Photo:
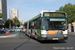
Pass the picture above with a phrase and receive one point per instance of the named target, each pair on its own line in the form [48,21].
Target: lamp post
[10,24]
[16,23]
[13,23]
[9,17]
[62,8]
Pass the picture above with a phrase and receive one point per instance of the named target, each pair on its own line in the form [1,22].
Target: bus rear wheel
[36,36]
[29,35]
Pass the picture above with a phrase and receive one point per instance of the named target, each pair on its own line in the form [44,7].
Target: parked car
[23,30]
[18,29]
[5,30]
[1,31]
[11,30]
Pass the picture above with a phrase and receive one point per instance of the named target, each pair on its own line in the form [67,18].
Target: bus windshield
[54,24]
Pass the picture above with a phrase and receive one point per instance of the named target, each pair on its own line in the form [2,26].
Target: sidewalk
[72,33]
[4,34]
[11,34]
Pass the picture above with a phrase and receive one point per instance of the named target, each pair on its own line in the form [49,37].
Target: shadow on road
[22,44]
[52,41]
[49,41]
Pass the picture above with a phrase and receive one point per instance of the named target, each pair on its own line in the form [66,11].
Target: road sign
[16,31]
[7,32]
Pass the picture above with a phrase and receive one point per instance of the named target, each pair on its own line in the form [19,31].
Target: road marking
[8,36]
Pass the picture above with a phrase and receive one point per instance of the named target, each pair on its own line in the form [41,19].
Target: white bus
[48,26]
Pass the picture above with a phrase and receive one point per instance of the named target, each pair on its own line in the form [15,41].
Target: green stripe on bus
[39,32]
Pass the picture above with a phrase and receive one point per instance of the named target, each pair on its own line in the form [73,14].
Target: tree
[70,11]
[1,15]
[8,22]
[16,22]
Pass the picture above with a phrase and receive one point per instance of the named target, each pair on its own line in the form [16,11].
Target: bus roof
[41,15]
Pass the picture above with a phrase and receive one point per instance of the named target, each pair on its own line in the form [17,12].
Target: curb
[72,33]
[8,36]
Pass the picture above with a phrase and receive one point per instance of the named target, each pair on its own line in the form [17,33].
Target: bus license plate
[55,38]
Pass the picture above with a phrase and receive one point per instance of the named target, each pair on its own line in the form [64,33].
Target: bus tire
[36,37]
[29,35]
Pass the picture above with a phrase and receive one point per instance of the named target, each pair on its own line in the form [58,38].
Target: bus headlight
[65,32]
[43,32]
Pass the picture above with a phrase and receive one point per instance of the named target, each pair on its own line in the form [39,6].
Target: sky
[28,9]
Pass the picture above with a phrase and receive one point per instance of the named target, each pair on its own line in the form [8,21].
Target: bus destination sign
[53,14]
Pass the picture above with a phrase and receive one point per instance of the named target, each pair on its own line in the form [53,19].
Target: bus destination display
[54,14]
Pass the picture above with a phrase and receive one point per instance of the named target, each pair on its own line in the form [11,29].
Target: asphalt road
[22,42]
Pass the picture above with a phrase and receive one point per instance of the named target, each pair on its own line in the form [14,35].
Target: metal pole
[10,24]
[27,27]
[13,23]
[74,28]
[62,8]
[16,23]
[20,24]
[9,17]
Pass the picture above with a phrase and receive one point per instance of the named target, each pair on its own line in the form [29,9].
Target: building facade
[21,21]
[43,11]
[3,10]
[13,13]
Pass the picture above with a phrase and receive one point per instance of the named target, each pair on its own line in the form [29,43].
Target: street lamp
[62,8]
[9,23]
[16,23]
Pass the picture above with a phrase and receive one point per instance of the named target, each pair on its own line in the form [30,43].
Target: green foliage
[57,10]
[1,15]
[70,11]
[39,32]
[8,22]
[16,22]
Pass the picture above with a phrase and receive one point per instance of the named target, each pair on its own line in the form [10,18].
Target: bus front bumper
[55,37]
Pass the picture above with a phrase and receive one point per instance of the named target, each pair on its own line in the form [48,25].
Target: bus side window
[38,24]
[32,25]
